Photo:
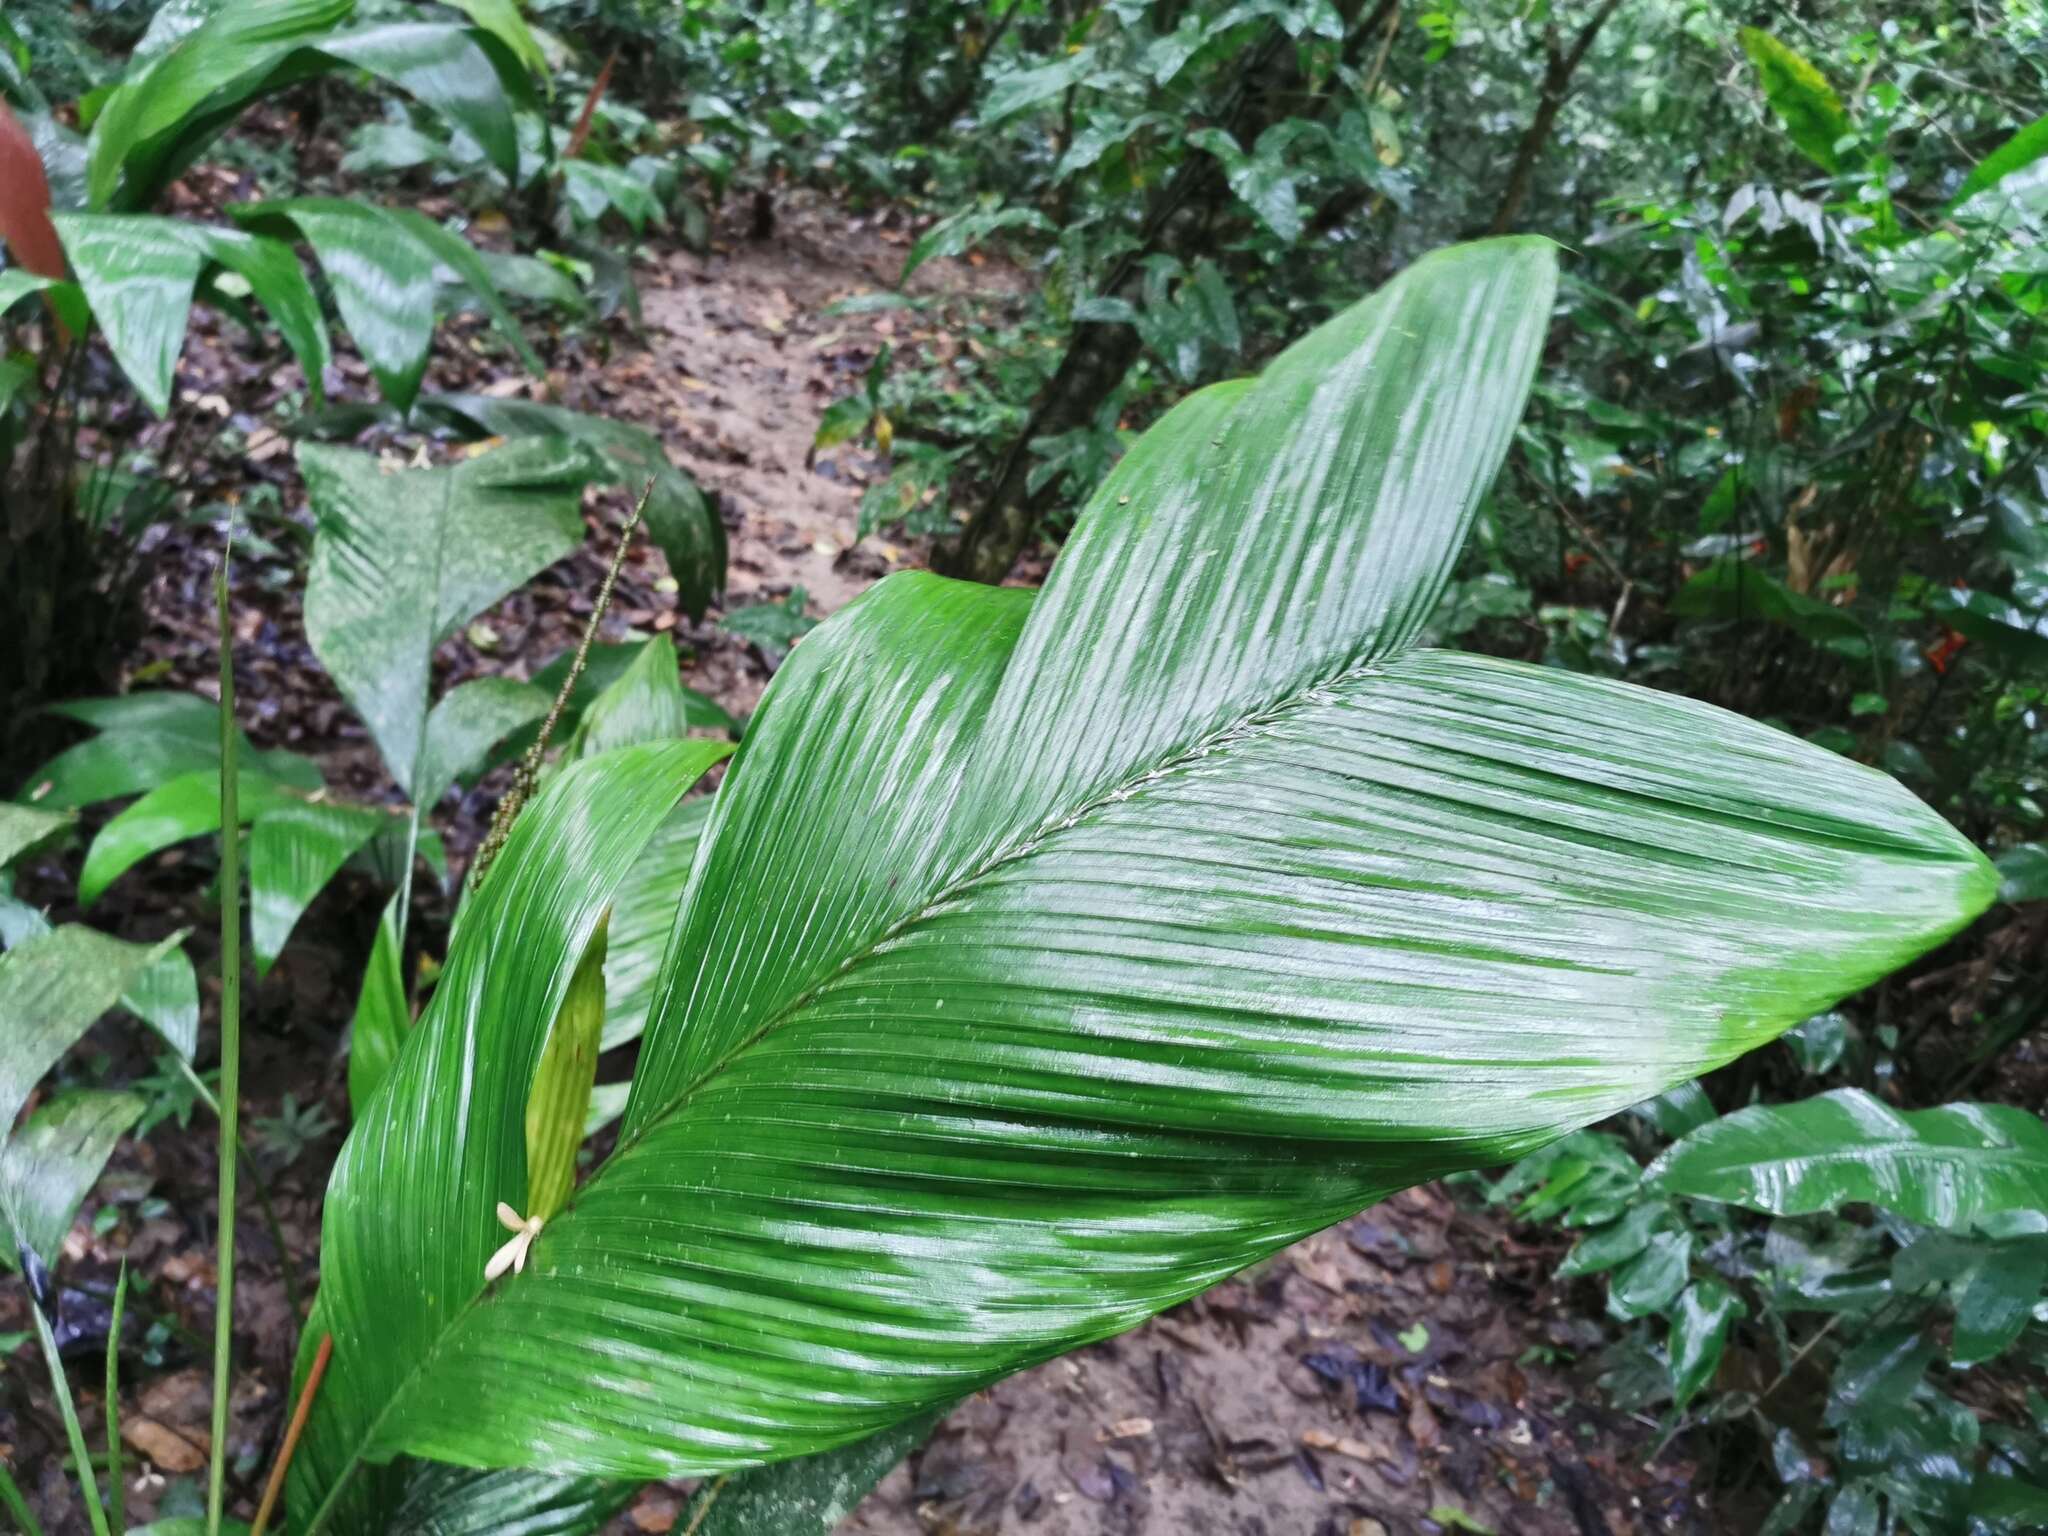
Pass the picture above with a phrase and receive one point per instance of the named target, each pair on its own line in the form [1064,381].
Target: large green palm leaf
[1048,959]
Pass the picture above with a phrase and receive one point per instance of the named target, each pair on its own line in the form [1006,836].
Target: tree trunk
[1100,354]
[1557,85]
[64,631]
[1008,518]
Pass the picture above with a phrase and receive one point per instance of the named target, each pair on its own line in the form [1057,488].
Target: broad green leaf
[24,828]
[2015,154]
[813,1494]
[147,739]
[649,703]
[1946,1167]
[502,20]
[961,232]
[444,67]
[53,988]
[773,626]
[382,264]
[1801,96]
[420,1158]
[1997,1298]
[383,1017]
[1685,1108]
[1731,588]
[1818,1043]
[174,102]
[1651,1281]
[560,1096]
[138,278]
[1854,1511]
[1261,180]
[455,1501]
[467,721]
[2023,873]
[1015,92]
[183,808]
[164,112]
[294,849]
[1699,1333]
[684,525]
[1877,1372]
[594,190]
[1052,957]
[641,920]
[1616,1244]
[165,996]
[50,1164]
[401,561]
[2017,1505]
[16,285]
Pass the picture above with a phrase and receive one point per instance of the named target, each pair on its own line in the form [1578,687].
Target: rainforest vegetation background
[848,287]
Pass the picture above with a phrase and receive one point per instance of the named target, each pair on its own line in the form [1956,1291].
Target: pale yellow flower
[513,1255]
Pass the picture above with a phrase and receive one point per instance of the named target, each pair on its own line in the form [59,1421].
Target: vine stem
[230,1040]
[275,1486]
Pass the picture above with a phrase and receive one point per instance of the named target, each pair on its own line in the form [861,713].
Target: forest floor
[1409,1371]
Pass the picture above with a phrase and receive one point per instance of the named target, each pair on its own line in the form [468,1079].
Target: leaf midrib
[1236,729]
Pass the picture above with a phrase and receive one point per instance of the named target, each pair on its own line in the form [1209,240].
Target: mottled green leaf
[1945,1166]
[403,560]
[50,1164]
[1699,1333]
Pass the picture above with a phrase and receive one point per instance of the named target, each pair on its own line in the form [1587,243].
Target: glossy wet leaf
[1651,1281]
[1997,1298]
[1945,1166]
[53,988]
[410,1206]
[682,522]
[455,1501]
[560,1096]
[813,1494]
[2023,149]
[464,725]
[382,264]
[138,272]
[145,740]
[175,100]
[383,1017]
[2018,1504]
[295,848]
[1879,1371]
[175,812]
[647,703]
[1050,957]
[501,18]
[168,107]
[1801,96]
[448,69]
[401,561]
[1600,1251]
[165,996]
[642,918]
[51,1163]
[1699,1334]
[24,828]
